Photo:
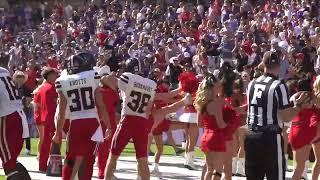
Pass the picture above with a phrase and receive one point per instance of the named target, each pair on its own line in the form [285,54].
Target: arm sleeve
[283,97]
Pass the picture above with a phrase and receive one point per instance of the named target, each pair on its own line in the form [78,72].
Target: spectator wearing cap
[186,58]
[173,72]
[20,78]
[182,44]
[171,50]
[254,58]
[48,103]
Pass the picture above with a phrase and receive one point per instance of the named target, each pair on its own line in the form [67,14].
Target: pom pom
[189,82]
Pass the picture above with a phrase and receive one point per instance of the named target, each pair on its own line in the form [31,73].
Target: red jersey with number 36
[79,90]
[136,93]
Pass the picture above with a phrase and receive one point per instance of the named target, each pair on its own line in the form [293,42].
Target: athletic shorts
[135,128]
[163,126]
[79,137]
[11,140]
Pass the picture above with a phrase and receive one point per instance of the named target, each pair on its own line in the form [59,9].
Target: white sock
[186,158]
[242,161]
[234,164]
[156,166]
[306,165]
[191,156]
[286,156]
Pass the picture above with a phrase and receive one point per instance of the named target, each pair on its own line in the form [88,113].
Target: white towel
[25,133]
[98,135]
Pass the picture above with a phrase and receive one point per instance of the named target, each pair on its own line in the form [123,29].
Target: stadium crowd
[169,37]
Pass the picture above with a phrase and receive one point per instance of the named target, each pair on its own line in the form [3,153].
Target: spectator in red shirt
[37,116]
[195,33]
[185,15]
[53,61]
[160,58]
[48,104]
[31,71]
[102,36]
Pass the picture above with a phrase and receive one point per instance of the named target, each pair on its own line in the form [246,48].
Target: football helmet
[133,66]
[80,62]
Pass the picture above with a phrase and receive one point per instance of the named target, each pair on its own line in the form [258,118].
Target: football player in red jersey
[13,125]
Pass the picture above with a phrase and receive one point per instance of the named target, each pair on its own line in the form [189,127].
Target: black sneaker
[189,167]
[179,151]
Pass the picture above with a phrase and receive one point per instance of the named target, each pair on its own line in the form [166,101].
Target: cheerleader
[230,116]
[208,104]
[189,84]
[164,126]
[239,99]
[303,134]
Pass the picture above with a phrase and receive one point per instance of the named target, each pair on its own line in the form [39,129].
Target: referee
[268,105]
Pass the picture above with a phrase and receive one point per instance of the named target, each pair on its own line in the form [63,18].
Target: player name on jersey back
[78,82]
[143,87]
[79,90]
[136,93]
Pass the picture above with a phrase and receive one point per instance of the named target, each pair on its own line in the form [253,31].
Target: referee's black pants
[264,156]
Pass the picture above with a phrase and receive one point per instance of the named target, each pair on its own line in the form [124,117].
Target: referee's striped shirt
[265,96]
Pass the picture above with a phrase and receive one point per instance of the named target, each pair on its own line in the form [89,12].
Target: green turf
[2,177]
[128,151]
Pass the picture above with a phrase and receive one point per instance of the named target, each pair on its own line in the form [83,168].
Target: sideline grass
[128,151]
